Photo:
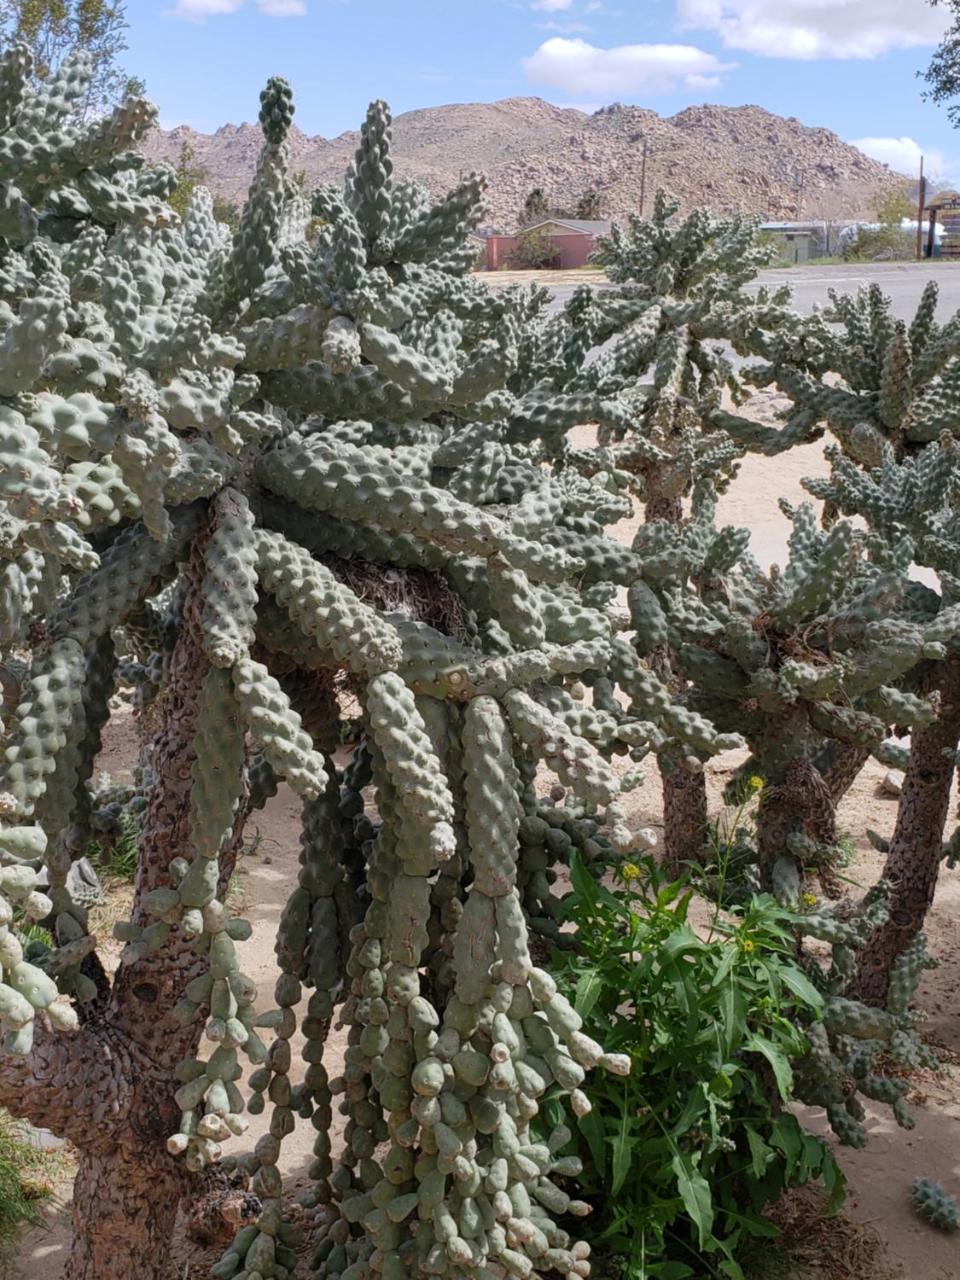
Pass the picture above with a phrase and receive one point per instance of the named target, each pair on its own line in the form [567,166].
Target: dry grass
[815,1246]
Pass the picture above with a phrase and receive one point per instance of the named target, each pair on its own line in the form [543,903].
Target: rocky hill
[725,157]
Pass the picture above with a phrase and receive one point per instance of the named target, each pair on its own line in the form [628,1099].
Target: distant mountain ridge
[728,158]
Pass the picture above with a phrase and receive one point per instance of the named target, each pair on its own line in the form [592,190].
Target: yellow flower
[630,871]
[755,783]
[808,899]
[748,945]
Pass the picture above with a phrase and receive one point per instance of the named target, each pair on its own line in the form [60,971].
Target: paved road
[904,283]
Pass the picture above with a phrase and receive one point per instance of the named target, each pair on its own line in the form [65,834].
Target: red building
[574,238]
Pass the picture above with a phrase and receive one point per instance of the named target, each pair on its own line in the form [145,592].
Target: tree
[188,177]
[184,181]
[589,206]
[740,648]
[943,73]
[536,208]
[889,240]
[225,211]
[895,205]
[535,249]
[53,29]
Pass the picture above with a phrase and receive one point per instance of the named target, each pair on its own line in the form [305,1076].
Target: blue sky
[846,64]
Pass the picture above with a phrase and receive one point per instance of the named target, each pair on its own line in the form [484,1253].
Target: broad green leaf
[785,1133]
[812,1162]
[691,1114]
[760,1153]
[732,1269]
[721,1084]
[583,882]
[834,1182]
[591,1126]
[682,939]
[732,1015]
[695,1192]
[777,1060]
[726,964]
[801,986]
[752,1224]
[621,1148]
[589,987]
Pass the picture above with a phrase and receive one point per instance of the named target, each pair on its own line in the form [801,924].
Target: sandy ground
[573,277]
[879,1176]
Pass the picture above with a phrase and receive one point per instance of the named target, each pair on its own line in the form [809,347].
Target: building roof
[787,228]
[583,226]
[944,198]
[808,227]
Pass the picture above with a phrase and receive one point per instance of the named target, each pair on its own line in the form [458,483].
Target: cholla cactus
[887,392]
[898,382]
[796,660]
[244,444]
[853,1042]
[281,468]
[803,661]
[934,1205]
[679,294]
[916,495]
[659,373]
[67,188]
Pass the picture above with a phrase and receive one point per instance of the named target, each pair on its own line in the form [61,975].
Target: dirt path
[879,1176]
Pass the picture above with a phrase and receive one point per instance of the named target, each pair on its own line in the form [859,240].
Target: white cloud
[552,6]
[903,155]
[565,28]
[578,67]
[199,10]
[817,28]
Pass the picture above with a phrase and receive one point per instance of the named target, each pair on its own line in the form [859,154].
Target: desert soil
[879,1176]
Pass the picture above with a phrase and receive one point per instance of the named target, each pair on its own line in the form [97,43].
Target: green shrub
[881,244]
[535,250]
[116,854]
[681,1156]
[24,1187]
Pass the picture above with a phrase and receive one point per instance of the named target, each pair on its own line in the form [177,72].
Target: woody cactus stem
[913,860]
[130,1176]
[684,792]
[684,817]
[124,1061]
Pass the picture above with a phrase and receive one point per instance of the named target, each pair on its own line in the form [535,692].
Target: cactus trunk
[684,818]
[844,767]
[913,861]
[128,1188]
[661,506]
[124,1204]
[684,793]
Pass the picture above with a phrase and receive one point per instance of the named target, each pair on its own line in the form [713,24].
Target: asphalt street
[902,281]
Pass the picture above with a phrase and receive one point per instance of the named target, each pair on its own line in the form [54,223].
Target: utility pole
[643,175]
[921,205]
